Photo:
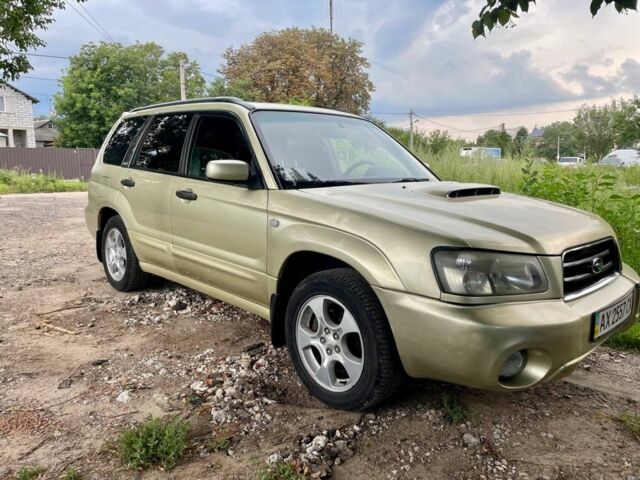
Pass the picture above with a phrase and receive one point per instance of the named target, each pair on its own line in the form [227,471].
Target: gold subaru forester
[368,267]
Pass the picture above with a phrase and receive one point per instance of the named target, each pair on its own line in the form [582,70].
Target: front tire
[340,342]
[120,262]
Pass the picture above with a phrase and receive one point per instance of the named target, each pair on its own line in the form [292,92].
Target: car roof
[210,102]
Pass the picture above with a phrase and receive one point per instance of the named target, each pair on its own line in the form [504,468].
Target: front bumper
[468,345]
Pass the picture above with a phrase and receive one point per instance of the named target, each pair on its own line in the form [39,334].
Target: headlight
[479,273]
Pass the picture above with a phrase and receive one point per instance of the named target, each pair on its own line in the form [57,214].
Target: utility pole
[411,114]
[558,150]
[183,83]
[331,15]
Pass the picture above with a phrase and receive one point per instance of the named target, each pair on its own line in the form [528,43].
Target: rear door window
[162,146]
[119,143]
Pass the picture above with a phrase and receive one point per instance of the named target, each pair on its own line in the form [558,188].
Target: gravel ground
[80,362]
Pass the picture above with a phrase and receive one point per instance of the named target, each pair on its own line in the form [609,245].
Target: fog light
[513,365]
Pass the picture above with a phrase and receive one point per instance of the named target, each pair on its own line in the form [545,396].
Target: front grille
[585,266]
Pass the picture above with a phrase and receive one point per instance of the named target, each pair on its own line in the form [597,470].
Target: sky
[423,57]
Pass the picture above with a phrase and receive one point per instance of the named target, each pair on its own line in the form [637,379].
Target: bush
[14,181]
[632,422]
[280,471]
[156,441]
[30,473]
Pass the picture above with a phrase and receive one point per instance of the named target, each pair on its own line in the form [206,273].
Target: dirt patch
[80,362]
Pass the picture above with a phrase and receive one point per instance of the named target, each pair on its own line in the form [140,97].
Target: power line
[39,55]
[452,114]
[96,21]
[39,78]
[88,21]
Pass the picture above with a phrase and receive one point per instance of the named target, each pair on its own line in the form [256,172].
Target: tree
[19,21]
[313,66]
[501,12]
[106,79]
[520,141]
[239,88]
[496,138]
[547,146]
[626,122]
[595,130]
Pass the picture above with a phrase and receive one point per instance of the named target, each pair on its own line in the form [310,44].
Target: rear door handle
[128,182]
[186,195]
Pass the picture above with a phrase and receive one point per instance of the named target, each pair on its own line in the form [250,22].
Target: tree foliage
[502,12]
[547,146]
[309,66]
[106,79]
[496,138]
[19,22]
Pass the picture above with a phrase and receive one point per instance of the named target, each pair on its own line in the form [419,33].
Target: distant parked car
[484,152]
[572,162]
[627,157]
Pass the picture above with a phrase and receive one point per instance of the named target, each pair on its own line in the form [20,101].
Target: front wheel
[340,341]
[120,262]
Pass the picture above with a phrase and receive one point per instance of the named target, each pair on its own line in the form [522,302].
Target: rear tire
[340,341]
[120,262]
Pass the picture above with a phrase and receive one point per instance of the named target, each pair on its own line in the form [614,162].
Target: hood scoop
[474,192]
[460,190]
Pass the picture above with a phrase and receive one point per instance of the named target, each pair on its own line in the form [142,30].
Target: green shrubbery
[13,181]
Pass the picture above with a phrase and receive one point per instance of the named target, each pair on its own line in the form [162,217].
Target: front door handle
[186,195]
[128,182]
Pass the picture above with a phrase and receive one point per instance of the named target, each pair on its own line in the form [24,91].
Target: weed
[632,422]
[155,441]
[30,473]
[280,471]
[452,409]
[72,474]
[219,443]
[14,181]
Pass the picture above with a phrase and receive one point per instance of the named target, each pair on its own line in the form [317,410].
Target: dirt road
[80,361]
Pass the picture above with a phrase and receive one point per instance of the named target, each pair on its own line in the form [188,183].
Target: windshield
[568,160]
[315,150]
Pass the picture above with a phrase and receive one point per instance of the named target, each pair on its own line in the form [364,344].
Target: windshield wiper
[325,183]
[411,179]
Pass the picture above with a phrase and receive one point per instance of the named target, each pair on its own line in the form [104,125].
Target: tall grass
[20,181]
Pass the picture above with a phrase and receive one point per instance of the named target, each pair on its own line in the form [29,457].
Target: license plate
[609,318]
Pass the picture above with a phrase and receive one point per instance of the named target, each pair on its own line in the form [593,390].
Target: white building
[16,117]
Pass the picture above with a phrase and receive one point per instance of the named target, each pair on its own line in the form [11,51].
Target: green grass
[14,181]
[632,422]
[629,340]
[219,443]
[72,474]
[30,473]
[156,441]
[452,409]
[280,471]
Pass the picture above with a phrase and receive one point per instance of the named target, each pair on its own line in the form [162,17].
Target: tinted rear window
[120,141]
[162,144]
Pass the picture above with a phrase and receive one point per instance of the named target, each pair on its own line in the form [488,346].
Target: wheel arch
[302,263]
[104,215]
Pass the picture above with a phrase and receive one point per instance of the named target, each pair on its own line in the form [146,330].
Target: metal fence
[65,162]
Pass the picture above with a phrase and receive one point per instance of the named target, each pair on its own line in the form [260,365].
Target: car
[494,153]
[369,268]
[627,157]
[571,162]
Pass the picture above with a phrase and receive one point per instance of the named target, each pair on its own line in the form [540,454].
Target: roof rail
[234,100]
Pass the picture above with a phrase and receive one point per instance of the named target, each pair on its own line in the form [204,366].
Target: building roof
[42,123]
[33,99]
[536,132]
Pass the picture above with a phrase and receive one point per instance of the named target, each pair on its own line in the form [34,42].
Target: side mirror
[228,170]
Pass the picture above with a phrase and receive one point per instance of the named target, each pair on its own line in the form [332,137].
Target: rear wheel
[340,341]
[120,262]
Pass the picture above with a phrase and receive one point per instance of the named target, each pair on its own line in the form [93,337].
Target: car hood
[480,217]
